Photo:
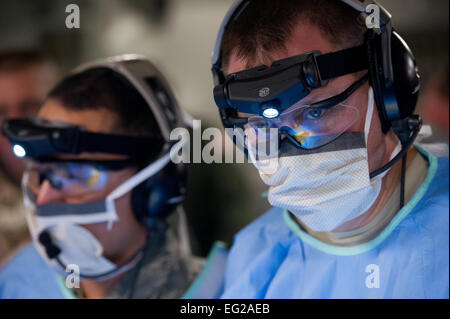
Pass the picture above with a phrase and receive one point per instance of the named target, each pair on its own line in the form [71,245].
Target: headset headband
[151,85]
[360,5]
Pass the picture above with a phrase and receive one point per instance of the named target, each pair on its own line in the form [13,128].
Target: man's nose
[47,194]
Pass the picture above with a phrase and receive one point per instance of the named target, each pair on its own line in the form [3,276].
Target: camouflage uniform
[164,272]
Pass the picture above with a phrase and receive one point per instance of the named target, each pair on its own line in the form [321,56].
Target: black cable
[405,148]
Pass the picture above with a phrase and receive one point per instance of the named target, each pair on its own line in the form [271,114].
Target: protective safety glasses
[71,178]
[306,126]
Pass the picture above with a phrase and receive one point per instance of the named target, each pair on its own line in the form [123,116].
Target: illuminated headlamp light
[270,112]
[19,151]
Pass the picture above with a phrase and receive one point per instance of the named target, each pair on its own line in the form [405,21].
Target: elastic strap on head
[144,174]
[141,176]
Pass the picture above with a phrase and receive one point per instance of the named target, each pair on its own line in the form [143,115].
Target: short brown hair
[104,88]
[265,26]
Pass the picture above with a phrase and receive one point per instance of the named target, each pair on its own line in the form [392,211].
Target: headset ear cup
[406,76]
[139,197]
[158,196]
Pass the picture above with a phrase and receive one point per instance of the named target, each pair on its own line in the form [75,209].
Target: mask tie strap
[131,183]
[369,115]
[143,175]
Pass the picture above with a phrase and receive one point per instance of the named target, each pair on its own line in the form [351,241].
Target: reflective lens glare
[68,177]
[310,126]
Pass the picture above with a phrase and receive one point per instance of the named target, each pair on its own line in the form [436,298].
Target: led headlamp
[269,91]
[41,139]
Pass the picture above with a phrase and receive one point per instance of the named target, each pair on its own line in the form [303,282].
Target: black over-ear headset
[393,72]
[156,197]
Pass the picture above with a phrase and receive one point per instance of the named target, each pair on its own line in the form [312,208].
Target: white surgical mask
[328,186]
[77,245]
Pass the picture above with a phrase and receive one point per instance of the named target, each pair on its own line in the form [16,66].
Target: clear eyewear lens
[69,178]
[311,127]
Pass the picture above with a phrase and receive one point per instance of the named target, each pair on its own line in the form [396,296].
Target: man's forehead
[99,120]
[305,38]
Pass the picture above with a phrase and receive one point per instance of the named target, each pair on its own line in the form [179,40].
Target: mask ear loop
[134,181]
[369,115]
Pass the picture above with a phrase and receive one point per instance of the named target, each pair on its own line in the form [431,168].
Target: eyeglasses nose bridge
[287,134]
[48,175]
[47,194]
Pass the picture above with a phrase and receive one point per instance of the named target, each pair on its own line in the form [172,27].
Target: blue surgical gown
[27,276]
[274,258]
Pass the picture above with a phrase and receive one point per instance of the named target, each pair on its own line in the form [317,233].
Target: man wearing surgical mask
[99,186]
[359,210]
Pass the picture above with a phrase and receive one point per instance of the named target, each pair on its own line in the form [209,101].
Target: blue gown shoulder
[27,276]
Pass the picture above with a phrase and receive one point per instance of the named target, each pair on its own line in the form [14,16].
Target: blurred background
[178,36]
